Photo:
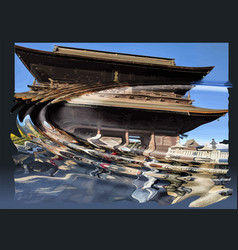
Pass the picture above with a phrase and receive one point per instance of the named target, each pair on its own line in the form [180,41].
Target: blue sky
[209,95]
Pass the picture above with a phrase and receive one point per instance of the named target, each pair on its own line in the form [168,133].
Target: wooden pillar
[98,127]
[127,140]
[151,146]
[98,123]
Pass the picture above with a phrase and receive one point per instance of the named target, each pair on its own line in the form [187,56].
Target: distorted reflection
[85,154]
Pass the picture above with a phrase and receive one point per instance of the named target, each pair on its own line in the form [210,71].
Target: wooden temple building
[112,100]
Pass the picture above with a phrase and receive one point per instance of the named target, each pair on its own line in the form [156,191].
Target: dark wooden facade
[105,68]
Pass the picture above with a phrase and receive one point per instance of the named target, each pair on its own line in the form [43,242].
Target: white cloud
[222,146]
[210,88]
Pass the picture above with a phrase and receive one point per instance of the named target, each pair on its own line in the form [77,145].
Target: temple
[118,101]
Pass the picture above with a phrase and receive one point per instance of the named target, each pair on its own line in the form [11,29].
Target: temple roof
[191,142]
[93,100]
[91,67]
[119,57]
